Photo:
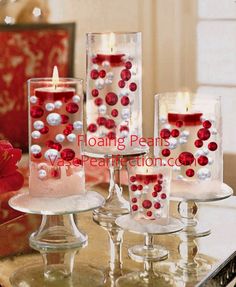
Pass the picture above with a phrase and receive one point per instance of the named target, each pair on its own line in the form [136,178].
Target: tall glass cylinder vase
[114,91]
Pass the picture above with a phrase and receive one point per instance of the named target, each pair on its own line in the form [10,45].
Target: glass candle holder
[149,189]
[189,126]
[55,121]
[114,89]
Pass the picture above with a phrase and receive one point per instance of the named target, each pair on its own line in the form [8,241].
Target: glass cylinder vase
[55,122]
[189,128]
[114,90]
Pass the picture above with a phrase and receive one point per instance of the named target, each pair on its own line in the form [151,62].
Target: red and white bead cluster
[197,155]
[54,129]
[148,195]
[112,91]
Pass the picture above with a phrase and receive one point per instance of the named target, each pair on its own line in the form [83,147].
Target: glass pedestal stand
[149,252]
[58,240]
[192,265]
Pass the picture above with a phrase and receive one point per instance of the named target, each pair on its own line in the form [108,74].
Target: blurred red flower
[10,178]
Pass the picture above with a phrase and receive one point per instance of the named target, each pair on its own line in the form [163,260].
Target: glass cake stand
[58,240]
[149,252]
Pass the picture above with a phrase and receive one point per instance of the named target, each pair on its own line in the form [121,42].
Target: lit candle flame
[55,77]
[183,102]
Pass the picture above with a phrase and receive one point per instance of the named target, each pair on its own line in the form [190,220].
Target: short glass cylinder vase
[114,93]
[149,189]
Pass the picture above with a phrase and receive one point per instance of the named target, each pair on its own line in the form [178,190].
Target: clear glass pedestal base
[141,253]
[33,276]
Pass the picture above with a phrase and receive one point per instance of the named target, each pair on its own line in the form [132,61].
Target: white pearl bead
[172,143]
[102,109]
[95,67]
[203,173]
[199,152]
[35,149]
[108,82]
[167,126]
[33,100]
[176,168]
[125,114]
[71,137]
[158,213]
[51,154]
[180,177]
[38,125]
[205,151]
[110,75]
[50,107]
[137,193]
[210,160]
[60,138]
[78,125]
[58,104]
[182,140]
[99,83]
[42,173]
[214,132]
[35,134]
[124,134]
[106,64]
[76,99]
[184,134]
[163,119]
[54,119]
[125,92]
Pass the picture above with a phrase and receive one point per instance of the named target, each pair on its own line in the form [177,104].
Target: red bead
[206,124]
[190,172]
[154,194]
[179,124]
[165,133]
[121,84]
[70,127]
[95,93]
[202,160]
[125,101]
[44,130]
[49,143]
[147,204]
[146,181]
[175,133]
[212,146]
[160,181]
[110,124]
[125,75]
[165,152]
[132,87]
[149,213]
[77,161]
[140,187]
[92,128]
[66,132]
[57,146]
[157,205]
[114,113]
[101,121]
[55,173]
[36,112]
[124,128]
[134,200]
[37,155]
[67,154]
[133,187]
[102,74]
[64,119]
[198,143]
[98,101]
[72,108]
[203,134]
[94,74]
[157,187]
[111,135]
[132,178]
[186,158]
[160,175]
[111,99]
[135,207]
[128,65]
[163,196]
